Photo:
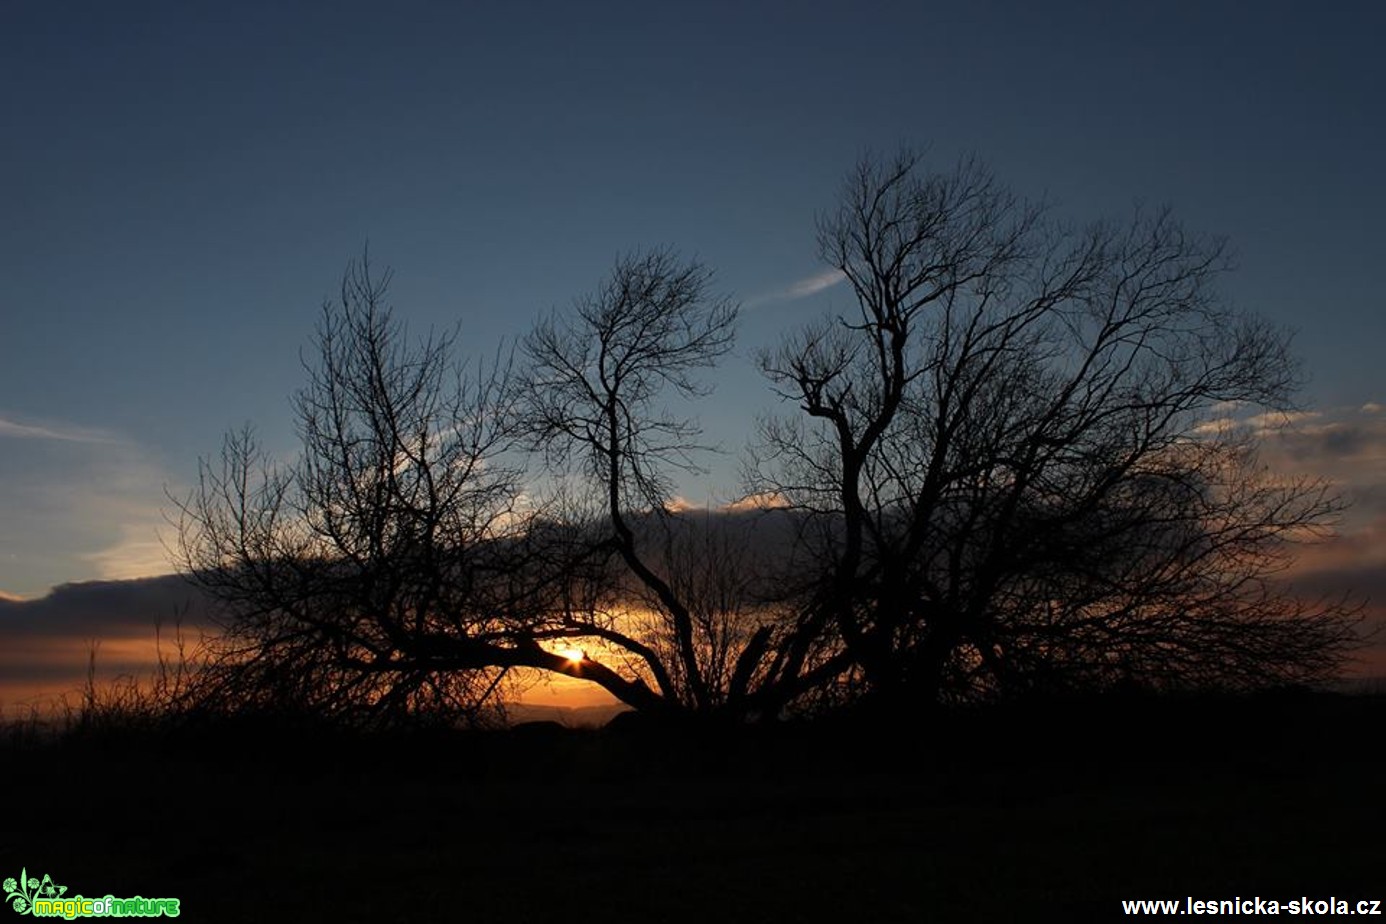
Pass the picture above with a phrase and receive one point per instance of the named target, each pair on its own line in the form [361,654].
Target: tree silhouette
[1010,445]
[393,568]
[702,627]
[1010,471]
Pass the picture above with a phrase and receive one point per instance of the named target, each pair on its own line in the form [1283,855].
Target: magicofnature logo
[44,898]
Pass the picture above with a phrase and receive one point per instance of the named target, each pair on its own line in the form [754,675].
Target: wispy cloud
[9,428]
[138,553]
[87,504]
[802,288]
[1278,420]
[1344,449]
[814,284]
[765,500]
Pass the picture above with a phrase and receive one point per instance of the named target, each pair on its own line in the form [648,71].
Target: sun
[573,654]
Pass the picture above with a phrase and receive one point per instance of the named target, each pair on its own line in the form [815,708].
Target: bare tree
[594,379]
[393,568]
[686,609]
[1009,448]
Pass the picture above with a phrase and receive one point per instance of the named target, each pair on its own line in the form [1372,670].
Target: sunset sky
[183,185]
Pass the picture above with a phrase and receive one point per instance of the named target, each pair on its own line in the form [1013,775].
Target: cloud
[1274,421]
[803,288]
[76,508]
[46,643]
[102,609]
[1354,560]
[1345,446]
[138,553]
[1216,426]
[768,500]
[765,500]
[9,428]
[814,284]
[1348,569]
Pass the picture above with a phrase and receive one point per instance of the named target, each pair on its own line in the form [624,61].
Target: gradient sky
[184,183]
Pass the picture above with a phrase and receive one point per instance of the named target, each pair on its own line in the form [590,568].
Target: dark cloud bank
[46,642]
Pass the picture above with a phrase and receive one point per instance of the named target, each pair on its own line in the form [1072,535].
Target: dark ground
[1050,812]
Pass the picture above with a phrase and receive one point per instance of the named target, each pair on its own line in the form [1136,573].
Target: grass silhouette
[981,814]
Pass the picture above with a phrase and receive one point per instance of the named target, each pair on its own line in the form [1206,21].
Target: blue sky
[182,185]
